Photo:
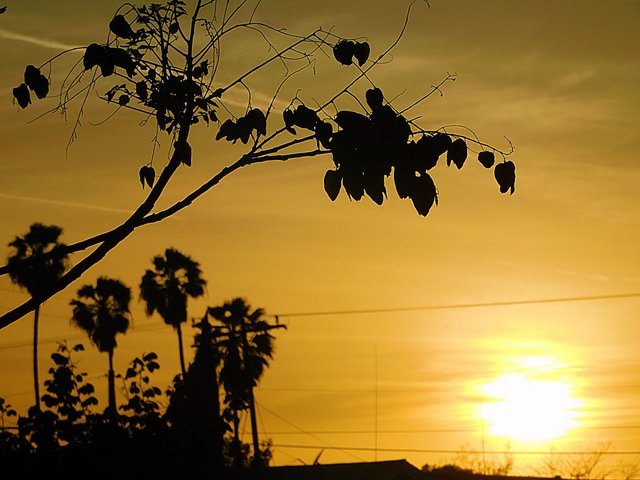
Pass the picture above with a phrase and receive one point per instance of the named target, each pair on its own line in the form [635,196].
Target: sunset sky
[407,326]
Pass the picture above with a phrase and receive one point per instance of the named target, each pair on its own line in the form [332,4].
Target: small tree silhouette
[68,403]
[166,289]
[163,60]
[102,311]
[36,276]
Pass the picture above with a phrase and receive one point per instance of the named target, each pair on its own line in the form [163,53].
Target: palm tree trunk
[236,425]
[217,456]
[236,451]
[181,350]
[112,386]
[36,381]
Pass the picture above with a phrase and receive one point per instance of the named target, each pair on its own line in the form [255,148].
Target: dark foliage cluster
[367,148]
[68,437]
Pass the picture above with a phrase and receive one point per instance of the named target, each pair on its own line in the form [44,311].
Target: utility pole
[257,460]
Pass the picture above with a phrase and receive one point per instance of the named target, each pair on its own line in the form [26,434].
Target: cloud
[41,42]
[62,203]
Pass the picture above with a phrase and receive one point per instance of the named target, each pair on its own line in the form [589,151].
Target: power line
[369,432]
[452,306]
[428,430]
[462,305]
[490,452]
[403,309]
[26,343]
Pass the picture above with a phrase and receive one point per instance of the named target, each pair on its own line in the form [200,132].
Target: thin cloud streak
[62,203]
[41,42]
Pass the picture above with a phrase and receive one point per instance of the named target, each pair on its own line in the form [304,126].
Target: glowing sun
[525,409]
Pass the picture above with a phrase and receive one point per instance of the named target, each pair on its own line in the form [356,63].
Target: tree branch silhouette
[161,69]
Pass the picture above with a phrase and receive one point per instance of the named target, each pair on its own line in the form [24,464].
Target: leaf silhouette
[244,128]
[374,98]
[111,92]
[361,52]
[353,121]
[457,153]
[228,130]
[342,148]
[147,175]
[486,158]
[201,70]
[343,51]
[183,151]
[424,194]
[289,119]
[304,117]
[92,56]
[119,58]
[441,144]
[505,174]
[324,130]
[258,121]
[107,67]
[332,183]
[21,94]
[353,182]
[107,58]
[374,187]
[404,179]
[142,90]
[425,153]
[59,359]
[36,81]
[120,27]
[391,127]
[150,356]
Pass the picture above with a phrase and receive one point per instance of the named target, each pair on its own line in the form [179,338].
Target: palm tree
[103,315]
[36,274]
[166,289]
[246,346]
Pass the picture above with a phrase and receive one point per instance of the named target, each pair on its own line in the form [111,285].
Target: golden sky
[559,79]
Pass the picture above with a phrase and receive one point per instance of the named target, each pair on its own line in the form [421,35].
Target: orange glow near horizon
[532,405]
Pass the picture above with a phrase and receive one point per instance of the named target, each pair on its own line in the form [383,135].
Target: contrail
[63,203]
[41,42]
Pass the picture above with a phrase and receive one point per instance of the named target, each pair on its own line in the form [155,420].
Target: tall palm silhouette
[36,274]
[165,289]
[246,346]
[102,315]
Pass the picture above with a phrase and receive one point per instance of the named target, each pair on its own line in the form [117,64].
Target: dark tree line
[190,429]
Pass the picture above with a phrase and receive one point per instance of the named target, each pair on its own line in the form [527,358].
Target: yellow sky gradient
[559,79]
